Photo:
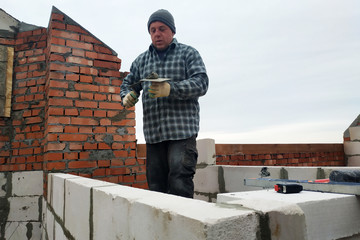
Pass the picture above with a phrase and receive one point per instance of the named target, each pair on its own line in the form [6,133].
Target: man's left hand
[159,89]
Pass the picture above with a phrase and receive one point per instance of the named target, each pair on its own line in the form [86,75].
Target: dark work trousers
[170,166]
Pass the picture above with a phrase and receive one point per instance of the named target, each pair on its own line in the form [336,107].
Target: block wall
[280,154]
[274,154]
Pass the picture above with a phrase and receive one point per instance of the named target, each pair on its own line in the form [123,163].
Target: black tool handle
[288,188]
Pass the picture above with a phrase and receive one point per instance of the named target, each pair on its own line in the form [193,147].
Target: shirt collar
[171,46]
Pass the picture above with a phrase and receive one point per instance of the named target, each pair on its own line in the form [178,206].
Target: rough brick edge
[70,21]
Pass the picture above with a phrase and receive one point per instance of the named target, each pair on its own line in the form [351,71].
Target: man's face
[161,35]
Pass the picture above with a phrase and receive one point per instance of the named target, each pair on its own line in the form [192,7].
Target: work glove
[159,89]
[130,99]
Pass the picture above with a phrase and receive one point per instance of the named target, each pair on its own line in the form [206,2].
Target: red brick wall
[23,132]
[280,154]
[273,154]
[66,107]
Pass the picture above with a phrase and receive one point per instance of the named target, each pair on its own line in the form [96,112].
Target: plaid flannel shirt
[177,116]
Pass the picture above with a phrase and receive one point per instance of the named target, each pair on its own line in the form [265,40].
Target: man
[170,108]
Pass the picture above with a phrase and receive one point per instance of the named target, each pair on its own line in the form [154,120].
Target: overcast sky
[280,71]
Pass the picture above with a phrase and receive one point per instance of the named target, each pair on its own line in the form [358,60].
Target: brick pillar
[87,131]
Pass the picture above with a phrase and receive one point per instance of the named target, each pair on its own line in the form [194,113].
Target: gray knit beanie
[163,16]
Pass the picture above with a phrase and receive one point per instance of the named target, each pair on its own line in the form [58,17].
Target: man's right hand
[130,99]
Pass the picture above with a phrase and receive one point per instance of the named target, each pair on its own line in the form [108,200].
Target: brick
[82,164]
[103,146]
[57,41]
[85,130]
[60,102]
[100,130]
[57,75]
[36,59]
[71,155]
[109,89]
[59,120]
[117,171]
[53,156]
[71,112]
[88,146]
[72,94]
[73,137]
[104,163]
[57,25]
[72,77]
[101,49]
[65,34]
[103,80]
[55,128]
[55,146]
[86,113]
[109,73]
[86,79]
[89,71]
[32,120]
[89,96]
[78,52]
[75,146]
[105,64]
[59,49]
[55,166]
[86,87]
[106,105]
[61,67]
[75,28]
[82,45]
[90,39]
[79,60]
[99,113]
[85,104]
[99,172]
[100,56]
[100,97]
[71,129]
[55,111]
[56,57]
[55,93]
[83,121]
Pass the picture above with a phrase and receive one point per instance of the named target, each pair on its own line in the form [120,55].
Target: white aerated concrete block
[206,182]
[23,230]
[24,209]
[3,181]
[27,183]
[352,148]
[327,215]
[301,173]
[354,133]
[77,205]
[354,161]
[48,223]
[234,177]
[142,215]
[206,151]
[56,191]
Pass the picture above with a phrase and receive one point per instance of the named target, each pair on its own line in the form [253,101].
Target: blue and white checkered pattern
[177,116]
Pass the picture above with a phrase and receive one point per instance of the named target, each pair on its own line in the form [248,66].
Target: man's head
[161,27]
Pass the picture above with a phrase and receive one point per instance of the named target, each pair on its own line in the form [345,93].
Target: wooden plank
[6,74]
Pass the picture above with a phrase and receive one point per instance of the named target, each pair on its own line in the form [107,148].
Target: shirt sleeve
[129,81]
[196,83]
